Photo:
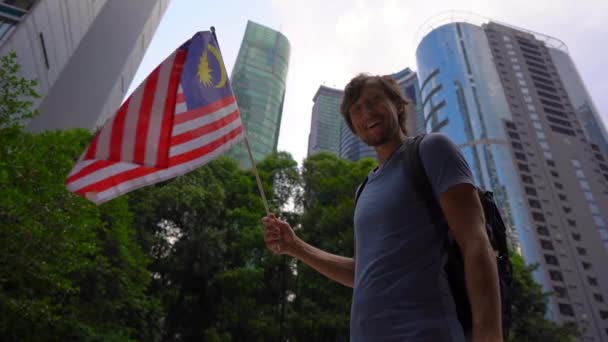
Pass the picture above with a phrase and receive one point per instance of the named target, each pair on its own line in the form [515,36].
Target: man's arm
[281,239]
[463,210]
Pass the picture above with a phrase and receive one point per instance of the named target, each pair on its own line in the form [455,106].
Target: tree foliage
[69,270]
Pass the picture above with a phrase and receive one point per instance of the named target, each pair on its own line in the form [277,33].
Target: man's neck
[384,151]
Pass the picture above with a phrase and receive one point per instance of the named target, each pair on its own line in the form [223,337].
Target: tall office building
[499,93]
[259,80]
[326,120]
[83,54]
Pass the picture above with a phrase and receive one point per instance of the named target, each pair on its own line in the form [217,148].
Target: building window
[527,179]
[604,314]
[546,245]
[598,297]
[566,309]
[581,251]
[534,203]
[599,221]
[576,236]
[551,163]
[576,163]
[523,167]
[517,145]
[556,275]
[554,174]
[538,217]
[571,223]
[584,185]
[544,145]
[562,197]
[530,191]
[592,281]
[551,260]
[567,209]
[558,185]
[586,265]
[560,292]
[514,135]
[594,208]
[542,230]
[580,174]
[589,196]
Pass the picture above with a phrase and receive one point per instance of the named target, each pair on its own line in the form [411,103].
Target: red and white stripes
[154,137]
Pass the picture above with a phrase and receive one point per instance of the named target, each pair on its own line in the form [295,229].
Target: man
[400,288]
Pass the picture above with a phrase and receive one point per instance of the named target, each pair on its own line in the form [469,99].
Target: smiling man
[401,292]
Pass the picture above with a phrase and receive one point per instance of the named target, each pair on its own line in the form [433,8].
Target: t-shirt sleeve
[445,166]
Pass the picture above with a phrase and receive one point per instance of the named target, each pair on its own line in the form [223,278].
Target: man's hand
[278,235]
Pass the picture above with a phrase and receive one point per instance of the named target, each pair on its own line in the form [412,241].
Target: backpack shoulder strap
[419,178]
[360,190]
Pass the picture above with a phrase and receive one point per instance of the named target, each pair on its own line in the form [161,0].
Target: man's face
[374,116]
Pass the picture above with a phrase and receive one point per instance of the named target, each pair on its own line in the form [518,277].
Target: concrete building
[326,120]
[498,92]
[84,54]
[259,82]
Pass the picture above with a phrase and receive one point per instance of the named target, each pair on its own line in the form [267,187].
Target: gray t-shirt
[401,291]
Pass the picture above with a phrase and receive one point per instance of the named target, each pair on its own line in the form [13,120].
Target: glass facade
[11,13]
[462,97]
[351,147]
[326,121]
[594,128]
[258,79]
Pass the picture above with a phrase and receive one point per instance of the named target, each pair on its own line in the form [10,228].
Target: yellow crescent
[218,58]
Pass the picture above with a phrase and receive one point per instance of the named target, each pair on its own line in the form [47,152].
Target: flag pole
[255,170]
[257,175]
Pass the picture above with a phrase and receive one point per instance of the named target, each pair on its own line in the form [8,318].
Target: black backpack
[454,267]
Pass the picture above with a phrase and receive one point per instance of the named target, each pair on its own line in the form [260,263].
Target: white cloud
[332,41]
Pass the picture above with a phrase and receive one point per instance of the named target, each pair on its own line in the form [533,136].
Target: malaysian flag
[182,116]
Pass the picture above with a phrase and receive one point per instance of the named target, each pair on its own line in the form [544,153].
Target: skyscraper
[259,79]
[498,92]
[84,54]
[326,120]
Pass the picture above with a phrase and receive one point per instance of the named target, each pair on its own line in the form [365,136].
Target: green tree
[69,270]
[212,271]
[321,309]
[529,306]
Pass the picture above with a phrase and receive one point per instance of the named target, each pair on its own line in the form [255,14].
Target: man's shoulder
[436,143]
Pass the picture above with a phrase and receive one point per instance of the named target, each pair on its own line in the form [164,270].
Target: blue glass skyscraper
[501,95]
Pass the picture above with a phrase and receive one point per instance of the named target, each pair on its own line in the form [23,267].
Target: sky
[331,41]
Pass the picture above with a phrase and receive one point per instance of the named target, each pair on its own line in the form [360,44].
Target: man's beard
[384,138]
